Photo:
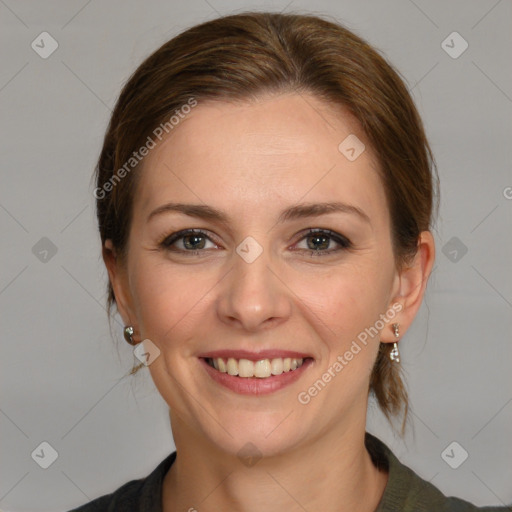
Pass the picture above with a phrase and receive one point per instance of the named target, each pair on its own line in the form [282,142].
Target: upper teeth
[262,368]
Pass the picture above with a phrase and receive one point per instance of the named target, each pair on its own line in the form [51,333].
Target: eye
[321,241]
[193,242]
[189,241]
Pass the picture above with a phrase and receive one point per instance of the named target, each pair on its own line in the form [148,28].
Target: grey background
[62,376]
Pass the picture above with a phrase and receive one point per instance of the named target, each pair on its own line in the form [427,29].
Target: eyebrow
[293,212]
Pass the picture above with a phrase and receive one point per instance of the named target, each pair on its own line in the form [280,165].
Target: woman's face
[254,279]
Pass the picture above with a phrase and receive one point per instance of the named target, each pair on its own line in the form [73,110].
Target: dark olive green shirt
[404,492]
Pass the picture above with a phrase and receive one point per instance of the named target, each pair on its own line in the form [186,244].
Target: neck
[333,473]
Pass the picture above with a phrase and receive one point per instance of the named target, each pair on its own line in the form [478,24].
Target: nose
[253,296]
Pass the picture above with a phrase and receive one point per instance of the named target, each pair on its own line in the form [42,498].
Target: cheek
[346,299]
[168,299]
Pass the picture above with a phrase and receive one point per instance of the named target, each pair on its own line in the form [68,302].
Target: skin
[252,161]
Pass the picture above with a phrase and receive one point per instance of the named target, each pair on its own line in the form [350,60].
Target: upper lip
[254,356]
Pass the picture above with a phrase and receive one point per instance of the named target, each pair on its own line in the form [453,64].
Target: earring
[128,333]
[394,355]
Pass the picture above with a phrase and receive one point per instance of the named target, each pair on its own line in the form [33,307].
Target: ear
[119,281]
[411,285]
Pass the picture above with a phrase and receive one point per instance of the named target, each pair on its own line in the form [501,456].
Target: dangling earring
[394,355]
[128,334]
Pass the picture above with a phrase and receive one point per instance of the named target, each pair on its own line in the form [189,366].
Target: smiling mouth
[262,369]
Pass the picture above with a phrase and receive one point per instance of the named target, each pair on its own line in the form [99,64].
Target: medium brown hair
[240,57]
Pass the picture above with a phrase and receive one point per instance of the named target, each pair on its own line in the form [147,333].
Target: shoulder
[408,492]
[141,495]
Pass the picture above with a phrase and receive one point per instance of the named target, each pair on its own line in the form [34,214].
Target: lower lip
[255,385]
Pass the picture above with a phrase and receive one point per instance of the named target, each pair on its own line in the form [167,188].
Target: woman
[265,195]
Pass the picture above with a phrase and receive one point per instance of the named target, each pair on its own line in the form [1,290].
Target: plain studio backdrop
[64,401]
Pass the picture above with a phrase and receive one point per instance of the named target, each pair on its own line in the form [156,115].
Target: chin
[255,435]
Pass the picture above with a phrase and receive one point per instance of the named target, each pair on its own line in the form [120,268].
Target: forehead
[272,151]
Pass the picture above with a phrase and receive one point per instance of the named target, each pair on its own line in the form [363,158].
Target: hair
[241,57]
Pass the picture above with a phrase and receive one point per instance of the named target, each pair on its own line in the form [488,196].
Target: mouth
[257,375]
[261,369]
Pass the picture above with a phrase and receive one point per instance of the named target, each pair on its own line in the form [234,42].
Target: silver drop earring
[394,355]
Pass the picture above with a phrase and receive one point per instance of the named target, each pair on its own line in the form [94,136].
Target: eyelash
[168,240]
